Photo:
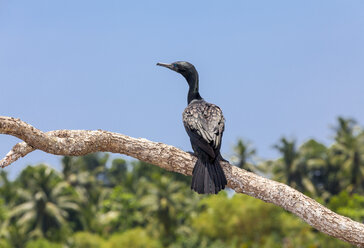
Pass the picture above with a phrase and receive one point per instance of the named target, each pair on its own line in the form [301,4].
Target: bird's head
[185,68]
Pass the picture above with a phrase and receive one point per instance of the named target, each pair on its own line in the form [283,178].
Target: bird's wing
[204,123]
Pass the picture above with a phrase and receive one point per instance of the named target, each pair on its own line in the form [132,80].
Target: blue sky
[274,67]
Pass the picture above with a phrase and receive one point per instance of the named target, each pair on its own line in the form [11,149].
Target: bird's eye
[175,65]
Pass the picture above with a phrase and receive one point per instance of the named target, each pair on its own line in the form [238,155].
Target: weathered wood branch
[81,142]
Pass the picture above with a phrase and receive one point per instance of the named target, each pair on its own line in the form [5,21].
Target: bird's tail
[208,177]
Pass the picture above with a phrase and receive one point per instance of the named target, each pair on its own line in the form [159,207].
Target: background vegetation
[133,204]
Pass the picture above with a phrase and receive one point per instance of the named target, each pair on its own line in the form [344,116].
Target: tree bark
[82,142]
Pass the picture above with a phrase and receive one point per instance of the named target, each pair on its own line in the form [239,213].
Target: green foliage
[4,243]
[136,238]
[320,171]
[349,149]
[287,168]
[42,243]
[3,210]
[44,203]
[243,155]
[117,174]
[135,204]
[120,211]
[87,240]
[248,219]
[254,223]
[166,204]
[348,205]
[6,190]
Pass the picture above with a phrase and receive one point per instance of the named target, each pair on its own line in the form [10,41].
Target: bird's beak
[169,66]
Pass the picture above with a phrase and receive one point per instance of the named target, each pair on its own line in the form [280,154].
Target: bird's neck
[193,93]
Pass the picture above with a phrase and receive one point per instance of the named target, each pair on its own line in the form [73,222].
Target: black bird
[204,124]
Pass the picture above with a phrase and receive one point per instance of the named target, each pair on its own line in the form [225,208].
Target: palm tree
[312,161]
[243,153]
[117,174]
[166,203]
[44,202]
[335,182]
[87,175]
[349,149]
[7,190]
[304,168]
[286,168]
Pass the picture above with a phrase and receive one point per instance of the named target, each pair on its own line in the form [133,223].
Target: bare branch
[18,151]
[81,142]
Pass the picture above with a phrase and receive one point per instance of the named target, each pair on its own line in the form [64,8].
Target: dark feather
[204,124]
[204,121]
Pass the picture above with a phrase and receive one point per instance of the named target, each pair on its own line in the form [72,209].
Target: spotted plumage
[206,123]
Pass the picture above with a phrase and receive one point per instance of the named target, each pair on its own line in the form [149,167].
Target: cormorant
[204,124]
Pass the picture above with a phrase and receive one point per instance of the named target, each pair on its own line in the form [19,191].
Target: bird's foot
[224,160]
[192,153]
